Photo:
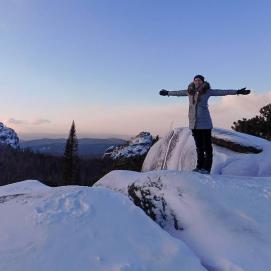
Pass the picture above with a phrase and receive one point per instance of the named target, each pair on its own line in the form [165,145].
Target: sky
[102,63]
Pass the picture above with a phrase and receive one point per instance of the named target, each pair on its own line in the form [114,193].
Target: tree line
[19,165]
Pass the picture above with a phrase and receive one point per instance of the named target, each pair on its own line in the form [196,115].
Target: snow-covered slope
[226,220]
[177,151]
[81,228]
[137,146]
[8,136]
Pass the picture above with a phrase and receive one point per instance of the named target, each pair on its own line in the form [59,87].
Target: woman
[198,92]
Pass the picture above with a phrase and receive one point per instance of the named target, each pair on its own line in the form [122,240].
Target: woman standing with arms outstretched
[200,122]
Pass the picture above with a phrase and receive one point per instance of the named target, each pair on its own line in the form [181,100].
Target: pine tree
[71,167]
[259,125]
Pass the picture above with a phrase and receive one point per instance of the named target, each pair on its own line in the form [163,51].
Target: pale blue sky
[67,59]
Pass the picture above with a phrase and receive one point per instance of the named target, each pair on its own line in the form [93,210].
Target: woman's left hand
[243,91]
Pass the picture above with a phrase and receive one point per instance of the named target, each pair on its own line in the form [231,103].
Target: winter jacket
[198,114]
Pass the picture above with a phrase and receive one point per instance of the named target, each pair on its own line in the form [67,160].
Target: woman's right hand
[163,92]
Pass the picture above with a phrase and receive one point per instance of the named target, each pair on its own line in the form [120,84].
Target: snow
[226,219]
[240,138]
[82,228]
[8,136]
[223,219]
[137,146]
[176,151]
[23,188]
[118,181]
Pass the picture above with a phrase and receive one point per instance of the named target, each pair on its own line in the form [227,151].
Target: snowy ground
[226,219]
[81,228]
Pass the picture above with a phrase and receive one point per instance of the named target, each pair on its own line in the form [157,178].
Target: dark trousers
[204,148]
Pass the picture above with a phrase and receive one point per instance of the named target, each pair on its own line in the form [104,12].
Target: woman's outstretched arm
[224,92]
[164,92]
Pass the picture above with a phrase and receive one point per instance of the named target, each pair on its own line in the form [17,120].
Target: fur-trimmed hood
[202,89]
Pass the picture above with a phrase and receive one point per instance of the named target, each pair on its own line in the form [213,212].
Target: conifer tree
[259,125]
[71,167]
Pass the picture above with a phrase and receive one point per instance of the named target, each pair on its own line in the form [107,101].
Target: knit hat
[199,77]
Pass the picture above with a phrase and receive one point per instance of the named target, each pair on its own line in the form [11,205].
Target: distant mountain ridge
[91,147]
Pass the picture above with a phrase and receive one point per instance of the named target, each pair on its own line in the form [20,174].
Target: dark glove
[243,91]
[163,92]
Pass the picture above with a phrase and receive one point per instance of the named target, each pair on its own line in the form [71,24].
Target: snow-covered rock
[177,151]
[82,228]
[238,142]
[137,146]
[8,136]
[225,220]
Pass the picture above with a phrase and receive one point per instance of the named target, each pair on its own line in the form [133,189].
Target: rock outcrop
[136,146]
[234,153]
[8,136]
[131,155]
[235,141]
[149,196]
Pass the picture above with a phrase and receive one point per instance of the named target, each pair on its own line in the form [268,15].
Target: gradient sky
[102,63]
